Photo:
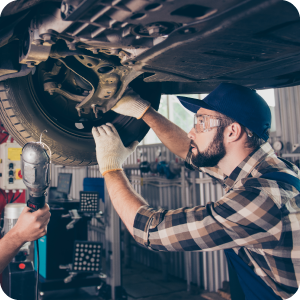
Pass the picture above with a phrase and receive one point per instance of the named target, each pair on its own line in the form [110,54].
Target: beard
[213,154]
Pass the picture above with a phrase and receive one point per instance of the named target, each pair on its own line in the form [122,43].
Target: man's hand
[110,150]
[32,225]
[131,104]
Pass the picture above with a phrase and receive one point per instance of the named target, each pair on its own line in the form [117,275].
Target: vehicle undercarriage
[64,64]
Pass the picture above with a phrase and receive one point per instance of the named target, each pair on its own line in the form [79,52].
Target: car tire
[25,119]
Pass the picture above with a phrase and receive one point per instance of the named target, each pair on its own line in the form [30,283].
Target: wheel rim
[61,111]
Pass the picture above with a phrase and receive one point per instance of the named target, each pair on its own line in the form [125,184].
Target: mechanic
[29,227]
[256,222]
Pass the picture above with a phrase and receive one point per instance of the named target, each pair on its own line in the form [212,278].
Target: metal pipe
[197,258]
[131,167]
[188,263]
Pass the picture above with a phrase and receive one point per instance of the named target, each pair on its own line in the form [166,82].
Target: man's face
[207,147]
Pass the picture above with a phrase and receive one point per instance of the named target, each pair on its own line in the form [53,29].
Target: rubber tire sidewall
[25,120]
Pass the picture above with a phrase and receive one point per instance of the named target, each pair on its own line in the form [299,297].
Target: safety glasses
[204,123]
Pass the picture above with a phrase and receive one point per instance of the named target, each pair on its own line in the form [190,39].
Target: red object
[7,197]
[20,174]
[22,266]
[32,205]
[3,134]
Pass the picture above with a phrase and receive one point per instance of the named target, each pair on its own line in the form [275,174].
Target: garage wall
[287,116]
[78,173]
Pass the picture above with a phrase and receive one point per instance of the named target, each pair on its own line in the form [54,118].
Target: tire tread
[13,125]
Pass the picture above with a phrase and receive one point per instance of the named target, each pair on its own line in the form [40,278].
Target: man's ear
[233,132]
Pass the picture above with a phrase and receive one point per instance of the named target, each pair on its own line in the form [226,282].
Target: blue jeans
[244,283]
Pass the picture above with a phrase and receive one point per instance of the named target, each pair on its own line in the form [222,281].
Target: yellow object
[18,174]
[0,160]
[14,153]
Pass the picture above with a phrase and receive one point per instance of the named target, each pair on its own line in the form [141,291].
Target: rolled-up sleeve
[240,218]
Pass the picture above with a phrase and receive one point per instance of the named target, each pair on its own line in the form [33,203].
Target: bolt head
[38,42]
[121,54]
[48,39]
[30,64]
[64,7]
[71,46]
[153,29]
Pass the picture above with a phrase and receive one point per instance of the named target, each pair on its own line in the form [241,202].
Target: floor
[141,283]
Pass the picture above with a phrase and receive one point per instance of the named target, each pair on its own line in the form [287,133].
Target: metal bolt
[30,64]
[71,8]
[71,46]
[48,38]
[78,111]
[114,51]
[64,7]
[122,54]
[38,42]
[153,29]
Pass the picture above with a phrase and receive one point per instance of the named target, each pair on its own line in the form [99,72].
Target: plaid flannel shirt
[259,218]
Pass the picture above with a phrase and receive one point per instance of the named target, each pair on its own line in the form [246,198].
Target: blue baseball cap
[240,103]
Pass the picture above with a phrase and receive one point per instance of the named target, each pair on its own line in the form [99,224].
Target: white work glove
[131,104]
[110,150]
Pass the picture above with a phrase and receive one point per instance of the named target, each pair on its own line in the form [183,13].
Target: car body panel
[254,43]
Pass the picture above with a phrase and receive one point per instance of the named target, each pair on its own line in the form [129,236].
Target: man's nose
[192,134]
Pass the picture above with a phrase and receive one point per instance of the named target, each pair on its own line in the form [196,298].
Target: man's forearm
[125,199]
[172,136]
[10,245]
